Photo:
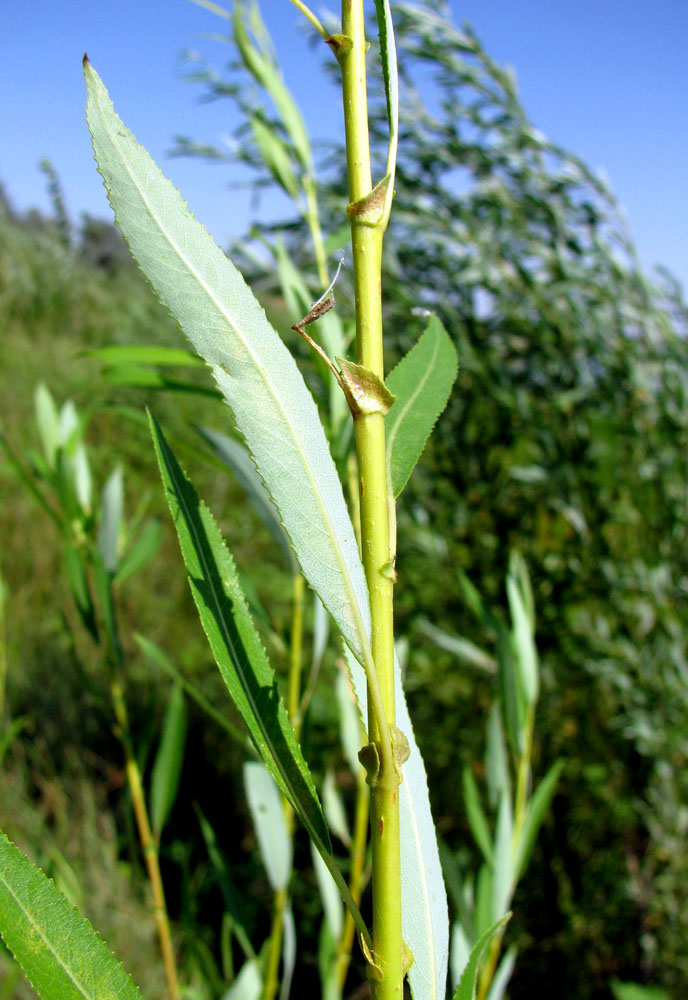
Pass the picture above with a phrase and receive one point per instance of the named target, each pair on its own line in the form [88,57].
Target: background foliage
[565,438]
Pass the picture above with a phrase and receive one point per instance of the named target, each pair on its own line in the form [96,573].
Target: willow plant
[277,417]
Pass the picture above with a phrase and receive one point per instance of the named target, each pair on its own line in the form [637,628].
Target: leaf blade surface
[58,949]
[257,375]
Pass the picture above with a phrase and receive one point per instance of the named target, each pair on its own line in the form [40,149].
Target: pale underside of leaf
[257,375]
[235,643]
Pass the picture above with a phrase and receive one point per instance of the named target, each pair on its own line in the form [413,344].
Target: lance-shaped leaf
[239,654]
[537,809]
[466,990]
[390,75]
[143,354]
[235,643]
[267,813]
[234,454]
[256,373]
[60,952]
[421,383]
[168,761]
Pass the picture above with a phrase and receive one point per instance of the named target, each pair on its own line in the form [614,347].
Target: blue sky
[607,79]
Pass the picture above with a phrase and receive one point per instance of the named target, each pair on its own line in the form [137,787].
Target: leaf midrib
[409,403]
[315,492]
[47,941]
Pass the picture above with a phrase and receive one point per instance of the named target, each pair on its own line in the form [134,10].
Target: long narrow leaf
[421,383]
[155,654]
[537,809]
[234,454]
[235,643]
[259,378]
[168,761]
[267,813]
[388,57]
[60,952]
[466,990]
[476,816]
[144,354]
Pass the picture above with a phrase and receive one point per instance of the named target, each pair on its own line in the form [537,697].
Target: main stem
[386,972]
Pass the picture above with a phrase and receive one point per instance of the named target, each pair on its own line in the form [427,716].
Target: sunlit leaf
[235,643]
[61,954]
[466,990]
[267,813]
[257,375]
[48,422]
[421,383]
[111,520]
[141,551]
[537,810]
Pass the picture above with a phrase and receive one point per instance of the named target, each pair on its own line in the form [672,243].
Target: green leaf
[78,582]
[635,991]
[333,804]
[261,64]
[288,949]
[235,643]
[511,694]
[466,650]
[503,875]
[151,378]
[520,599]
[350,728]
[476,817]
[259,378]
[503,974]
[140,553]
[267,813]
[167,768]
[482,910]
[48,423]
[235,455]
[155,654]
[388,58]
[111,520]
[537,810]
[234,905]
[141,354]
[61,954]
[496,760]
[466,990]
[421,383]
[332,904]
[248,985]
[275,155]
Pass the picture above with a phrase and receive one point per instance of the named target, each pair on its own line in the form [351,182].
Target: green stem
[357,857]
[369,428]
[148,844]
[271,983]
